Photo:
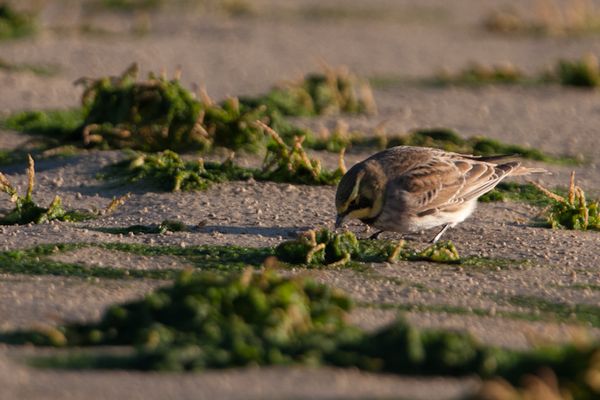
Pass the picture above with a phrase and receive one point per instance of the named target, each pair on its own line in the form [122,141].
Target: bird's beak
[339,220]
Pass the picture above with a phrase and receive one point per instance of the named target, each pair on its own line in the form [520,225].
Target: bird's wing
[443,183]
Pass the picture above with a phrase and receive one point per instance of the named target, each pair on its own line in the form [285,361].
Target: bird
[410,189]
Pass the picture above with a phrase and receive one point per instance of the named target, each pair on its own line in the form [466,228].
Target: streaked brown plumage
[408,189]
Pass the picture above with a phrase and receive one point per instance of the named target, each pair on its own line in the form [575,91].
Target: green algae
[439,138]
[215,321]
[336,249]
[513,191]
[158,229]
[131,5]
[37,260]
[333,92]
[283,163]
[584,72]
[61,125]
[15,24]
[571,212]
[37,69]
[28,211]
[150,115]
[167,171]
[158,113]
[586,314]
[478,74]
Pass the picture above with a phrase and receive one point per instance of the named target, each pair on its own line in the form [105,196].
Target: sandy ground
[246,55]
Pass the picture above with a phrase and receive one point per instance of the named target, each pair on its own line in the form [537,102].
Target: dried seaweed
[572,212]
[548,17]
[283,163]
[169,172]
[28,211]
[151,115]
[325,247]
[478,74]
[584,72]
[333,92]
[216,321]
[14,24]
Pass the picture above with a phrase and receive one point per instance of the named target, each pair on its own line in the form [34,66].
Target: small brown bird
[409,189]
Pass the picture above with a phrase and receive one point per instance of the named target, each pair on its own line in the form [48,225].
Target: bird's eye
[360,203]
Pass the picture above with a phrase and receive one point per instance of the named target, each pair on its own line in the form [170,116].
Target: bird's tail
[515,168]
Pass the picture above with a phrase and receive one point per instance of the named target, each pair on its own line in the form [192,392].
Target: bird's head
[360,193]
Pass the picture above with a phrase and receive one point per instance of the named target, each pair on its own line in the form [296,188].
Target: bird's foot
[375,235]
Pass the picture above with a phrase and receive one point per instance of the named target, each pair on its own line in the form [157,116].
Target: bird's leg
[439,235]
[375,235]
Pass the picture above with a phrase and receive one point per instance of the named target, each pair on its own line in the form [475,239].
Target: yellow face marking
[360,213]
[376,207]
[367,212]
[353,194]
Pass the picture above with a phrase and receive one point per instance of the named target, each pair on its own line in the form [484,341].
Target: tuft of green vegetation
[585,313]
[37,69]
[38,260]
[26,209]
[60,125]
[450,140]
[478,74]
[165,226]
[283,163]
[130,5]
[169,172]
[211,321]
[513,191]
[548,18]
[14,24]
[572,212]
[150,115]
[336,249]
[333,92]
[158,114]
[216,321]
[584,72]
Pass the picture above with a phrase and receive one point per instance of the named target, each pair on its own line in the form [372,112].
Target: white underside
[443,218]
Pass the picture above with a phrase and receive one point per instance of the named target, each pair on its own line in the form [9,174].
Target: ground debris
[572,212]
[324,247]
[209,320]
[28,211]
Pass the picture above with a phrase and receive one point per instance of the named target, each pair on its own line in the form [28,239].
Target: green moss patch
[584,72]
[169,172]
[164,227]
[155,114]
[334,249]
[513,191]
[130,5]
[333,92]
[216,321]
[26,209]
[568,18]
[285,163]
[14,24]
[60,125]
[478,74]
[582,313]
[38,260]
[37,69]
[440,138]
[571,212]
[282,163]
